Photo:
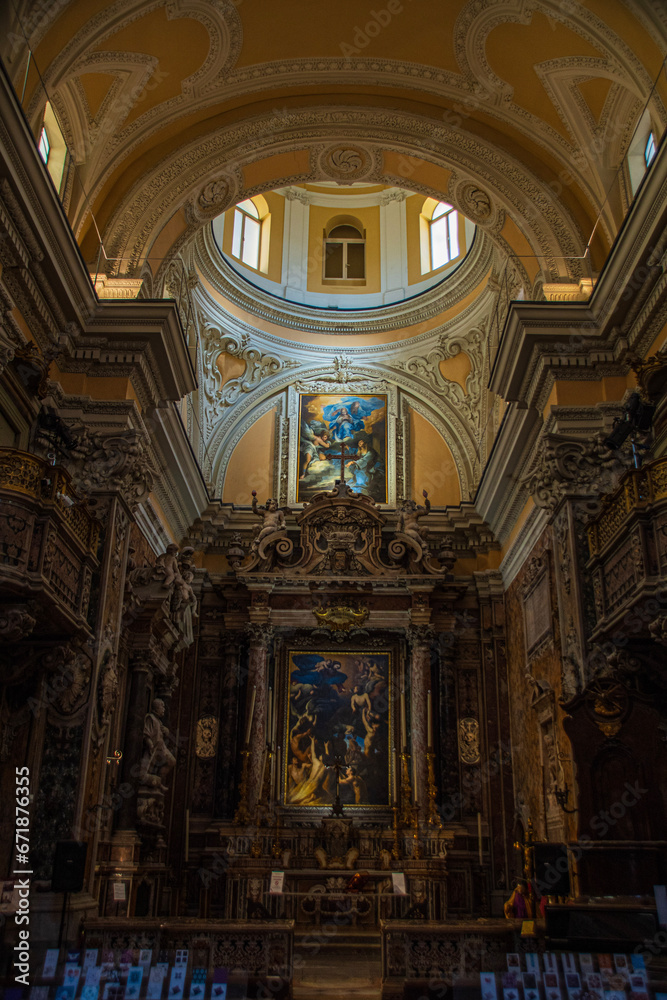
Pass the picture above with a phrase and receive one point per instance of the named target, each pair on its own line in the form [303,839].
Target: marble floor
[331,962]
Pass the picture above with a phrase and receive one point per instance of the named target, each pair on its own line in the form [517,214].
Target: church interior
[333,499]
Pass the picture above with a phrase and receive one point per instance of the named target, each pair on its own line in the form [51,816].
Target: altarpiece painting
[338,720]
[348,427]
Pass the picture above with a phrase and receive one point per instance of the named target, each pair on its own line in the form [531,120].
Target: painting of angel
[348,429]
[338,729]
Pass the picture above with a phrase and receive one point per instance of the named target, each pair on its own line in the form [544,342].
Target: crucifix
[337,809]
[342,462]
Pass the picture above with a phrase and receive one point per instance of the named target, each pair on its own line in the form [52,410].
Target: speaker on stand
[552,869]
[69,862]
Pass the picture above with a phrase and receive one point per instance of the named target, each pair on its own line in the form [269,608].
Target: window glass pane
[333,260]
[237,235]
[44,146]
[345,232]
[453,223]
[649,149]
[249,207]
[440,209]
[439,249]
[355,260]
[251,230]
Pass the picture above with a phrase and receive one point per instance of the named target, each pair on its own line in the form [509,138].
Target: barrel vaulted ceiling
[518,112]
[176,109]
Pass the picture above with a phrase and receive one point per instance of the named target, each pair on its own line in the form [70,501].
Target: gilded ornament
[207,737]
[340,618]
[469,741]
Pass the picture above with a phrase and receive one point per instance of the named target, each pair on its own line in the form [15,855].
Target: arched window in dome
[344,257]
[641,152]
[439,235]
[247,234]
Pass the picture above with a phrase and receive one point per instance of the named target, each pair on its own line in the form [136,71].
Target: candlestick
[406,809]
[404,725]
[242,815]
[250,714]
[429,720]
[479,836]
[396,850]
[415,794]
[394,784]
[433,819]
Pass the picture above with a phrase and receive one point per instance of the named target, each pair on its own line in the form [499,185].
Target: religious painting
[338,729]
[349,429]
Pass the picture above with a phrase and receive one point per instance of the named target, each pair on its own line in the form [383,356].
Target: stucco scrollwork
[582,466]
[219,395]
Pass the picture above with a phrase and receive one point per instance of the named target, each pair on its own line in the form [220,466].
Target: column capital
[420,635]
[259,635]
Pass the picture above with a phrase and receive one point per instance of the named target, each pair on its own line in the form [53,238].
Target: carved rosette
[346,163]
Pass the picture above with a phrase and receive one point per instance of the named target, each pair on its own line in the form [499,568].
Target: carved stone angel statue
[273,521]
[157,759]
[408,519]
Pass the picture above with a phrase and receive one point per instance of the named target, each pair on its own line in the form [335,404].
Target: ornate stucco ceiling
[177,108]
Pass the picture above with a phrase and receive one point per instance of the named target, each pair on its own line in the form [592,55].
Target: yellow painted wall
[456,369]
[230,367]
[586,392]
[251,465]
[432,467]
[277,167]
[417,170]
[318,220]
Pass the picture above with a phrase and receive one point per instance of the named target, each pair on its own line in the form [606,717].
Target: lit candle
[187,835]
[404,726]
[429,720]
[269,719]
[479,836]
[250,714]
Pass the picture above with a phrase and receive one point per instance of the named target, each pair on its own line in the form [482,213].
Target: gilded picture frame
[337,718]
[322,421]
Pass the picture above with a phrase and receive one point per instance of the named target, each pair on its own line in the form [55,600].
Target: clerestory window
[345,254]
[247,234]
[442,244]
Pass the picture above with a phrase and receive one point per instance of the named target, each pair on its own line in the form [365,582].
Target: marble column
[260,638]
[419,637]
[142,667]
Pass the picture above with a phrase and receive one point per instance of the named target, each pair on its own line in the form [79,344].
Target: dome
[341,247]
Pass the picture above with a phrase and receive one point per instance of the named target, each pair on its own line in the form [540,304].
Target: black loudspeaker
[552,872]
[68,866]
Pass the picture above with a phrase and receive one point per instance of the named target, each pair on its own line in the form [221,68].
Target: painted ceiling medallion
[346,163]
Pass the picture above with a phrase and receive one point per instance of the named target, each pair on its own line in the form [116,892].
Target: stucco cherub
[273,519]
[408,519]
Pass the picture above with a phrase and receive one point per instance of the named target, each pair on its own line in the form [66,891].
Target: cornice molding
[204,257]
